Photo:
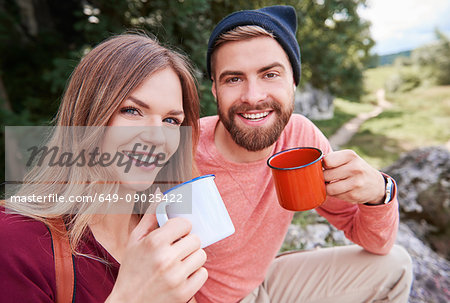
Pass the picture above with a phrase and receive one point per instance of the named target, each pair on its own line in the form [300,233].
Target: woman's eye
[173,121]
[129,110]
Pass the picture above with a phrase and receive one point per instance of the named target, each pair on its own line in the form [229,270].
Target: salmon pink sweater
[238,264]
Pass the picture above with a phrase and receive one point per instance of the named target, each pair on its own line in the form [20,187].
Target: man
[253,60]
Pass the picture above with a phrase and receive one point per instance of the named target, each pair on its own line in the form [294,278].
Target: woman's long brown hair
[103,79]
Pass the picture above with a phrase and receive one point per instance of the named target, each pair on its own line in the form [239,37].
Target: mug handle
[161,214]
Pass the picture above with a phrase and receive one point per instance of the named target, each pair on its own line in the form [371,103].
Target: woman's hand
[160,264]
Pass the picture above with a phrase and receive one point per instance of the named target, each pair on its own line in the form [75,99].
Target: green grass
[418,118]
[344,111]
[375,78]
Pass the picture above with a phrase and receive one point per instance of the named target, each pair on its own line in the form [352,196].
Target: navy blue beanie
[279,20]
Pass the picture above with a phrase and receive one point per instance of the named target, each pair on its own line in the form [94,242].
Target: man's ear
[213,89]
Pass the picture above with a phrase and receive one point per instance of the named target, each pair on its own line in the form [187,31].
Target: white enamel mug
[209,216]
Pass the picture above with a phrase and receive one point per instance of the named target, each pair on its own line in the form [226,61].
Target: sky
[399,25]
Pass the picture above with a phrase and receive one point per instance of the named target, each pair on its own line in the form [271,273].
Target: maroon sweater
[27,270]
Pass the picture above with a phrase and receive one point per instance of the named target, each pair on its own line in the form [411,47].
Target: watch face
[389,189]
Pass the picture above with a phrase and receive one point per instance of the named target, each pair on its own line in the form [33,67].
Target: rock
[314,103]
[431,271]
[423,179]
[416,172]
[317,234]
[431,282]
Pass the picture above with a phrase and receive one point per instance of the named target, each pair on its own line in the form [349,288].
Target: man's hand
[352,179]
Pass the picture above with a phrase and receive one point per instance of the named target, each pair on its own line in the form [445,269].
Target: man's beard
[256,138]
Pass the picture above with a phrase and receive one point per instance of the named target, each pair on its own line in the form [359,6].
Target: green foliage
[403,81]
[435,58]
[335,45]
[427,65]
[334,40]
[391,58]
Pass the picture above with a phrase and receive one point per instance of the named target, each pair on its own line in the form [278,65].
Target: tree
[335,46]
[434,59]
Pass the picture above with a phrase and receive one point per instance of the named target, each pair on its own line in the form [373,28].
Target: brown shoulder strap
[64,271]
[63,262]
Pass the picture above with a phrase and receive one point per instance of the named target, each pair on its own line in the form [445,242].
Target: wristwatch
[389,189]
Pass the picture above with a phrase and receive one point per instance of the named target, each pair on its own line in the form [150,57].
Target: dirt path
[349,129]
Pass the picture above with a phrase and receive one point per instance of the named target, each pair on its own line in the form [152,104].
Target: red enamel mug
[298,177]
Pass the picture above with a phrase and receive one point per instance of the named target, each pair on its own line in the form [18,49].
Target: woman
[130,98]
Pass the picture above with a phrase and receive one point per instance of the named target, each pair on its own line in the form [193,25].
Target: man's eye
[271,75]
[130,110]
[233,79]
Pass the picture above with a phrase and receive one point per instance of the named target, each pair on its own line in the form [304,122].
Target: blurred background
[375,78]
